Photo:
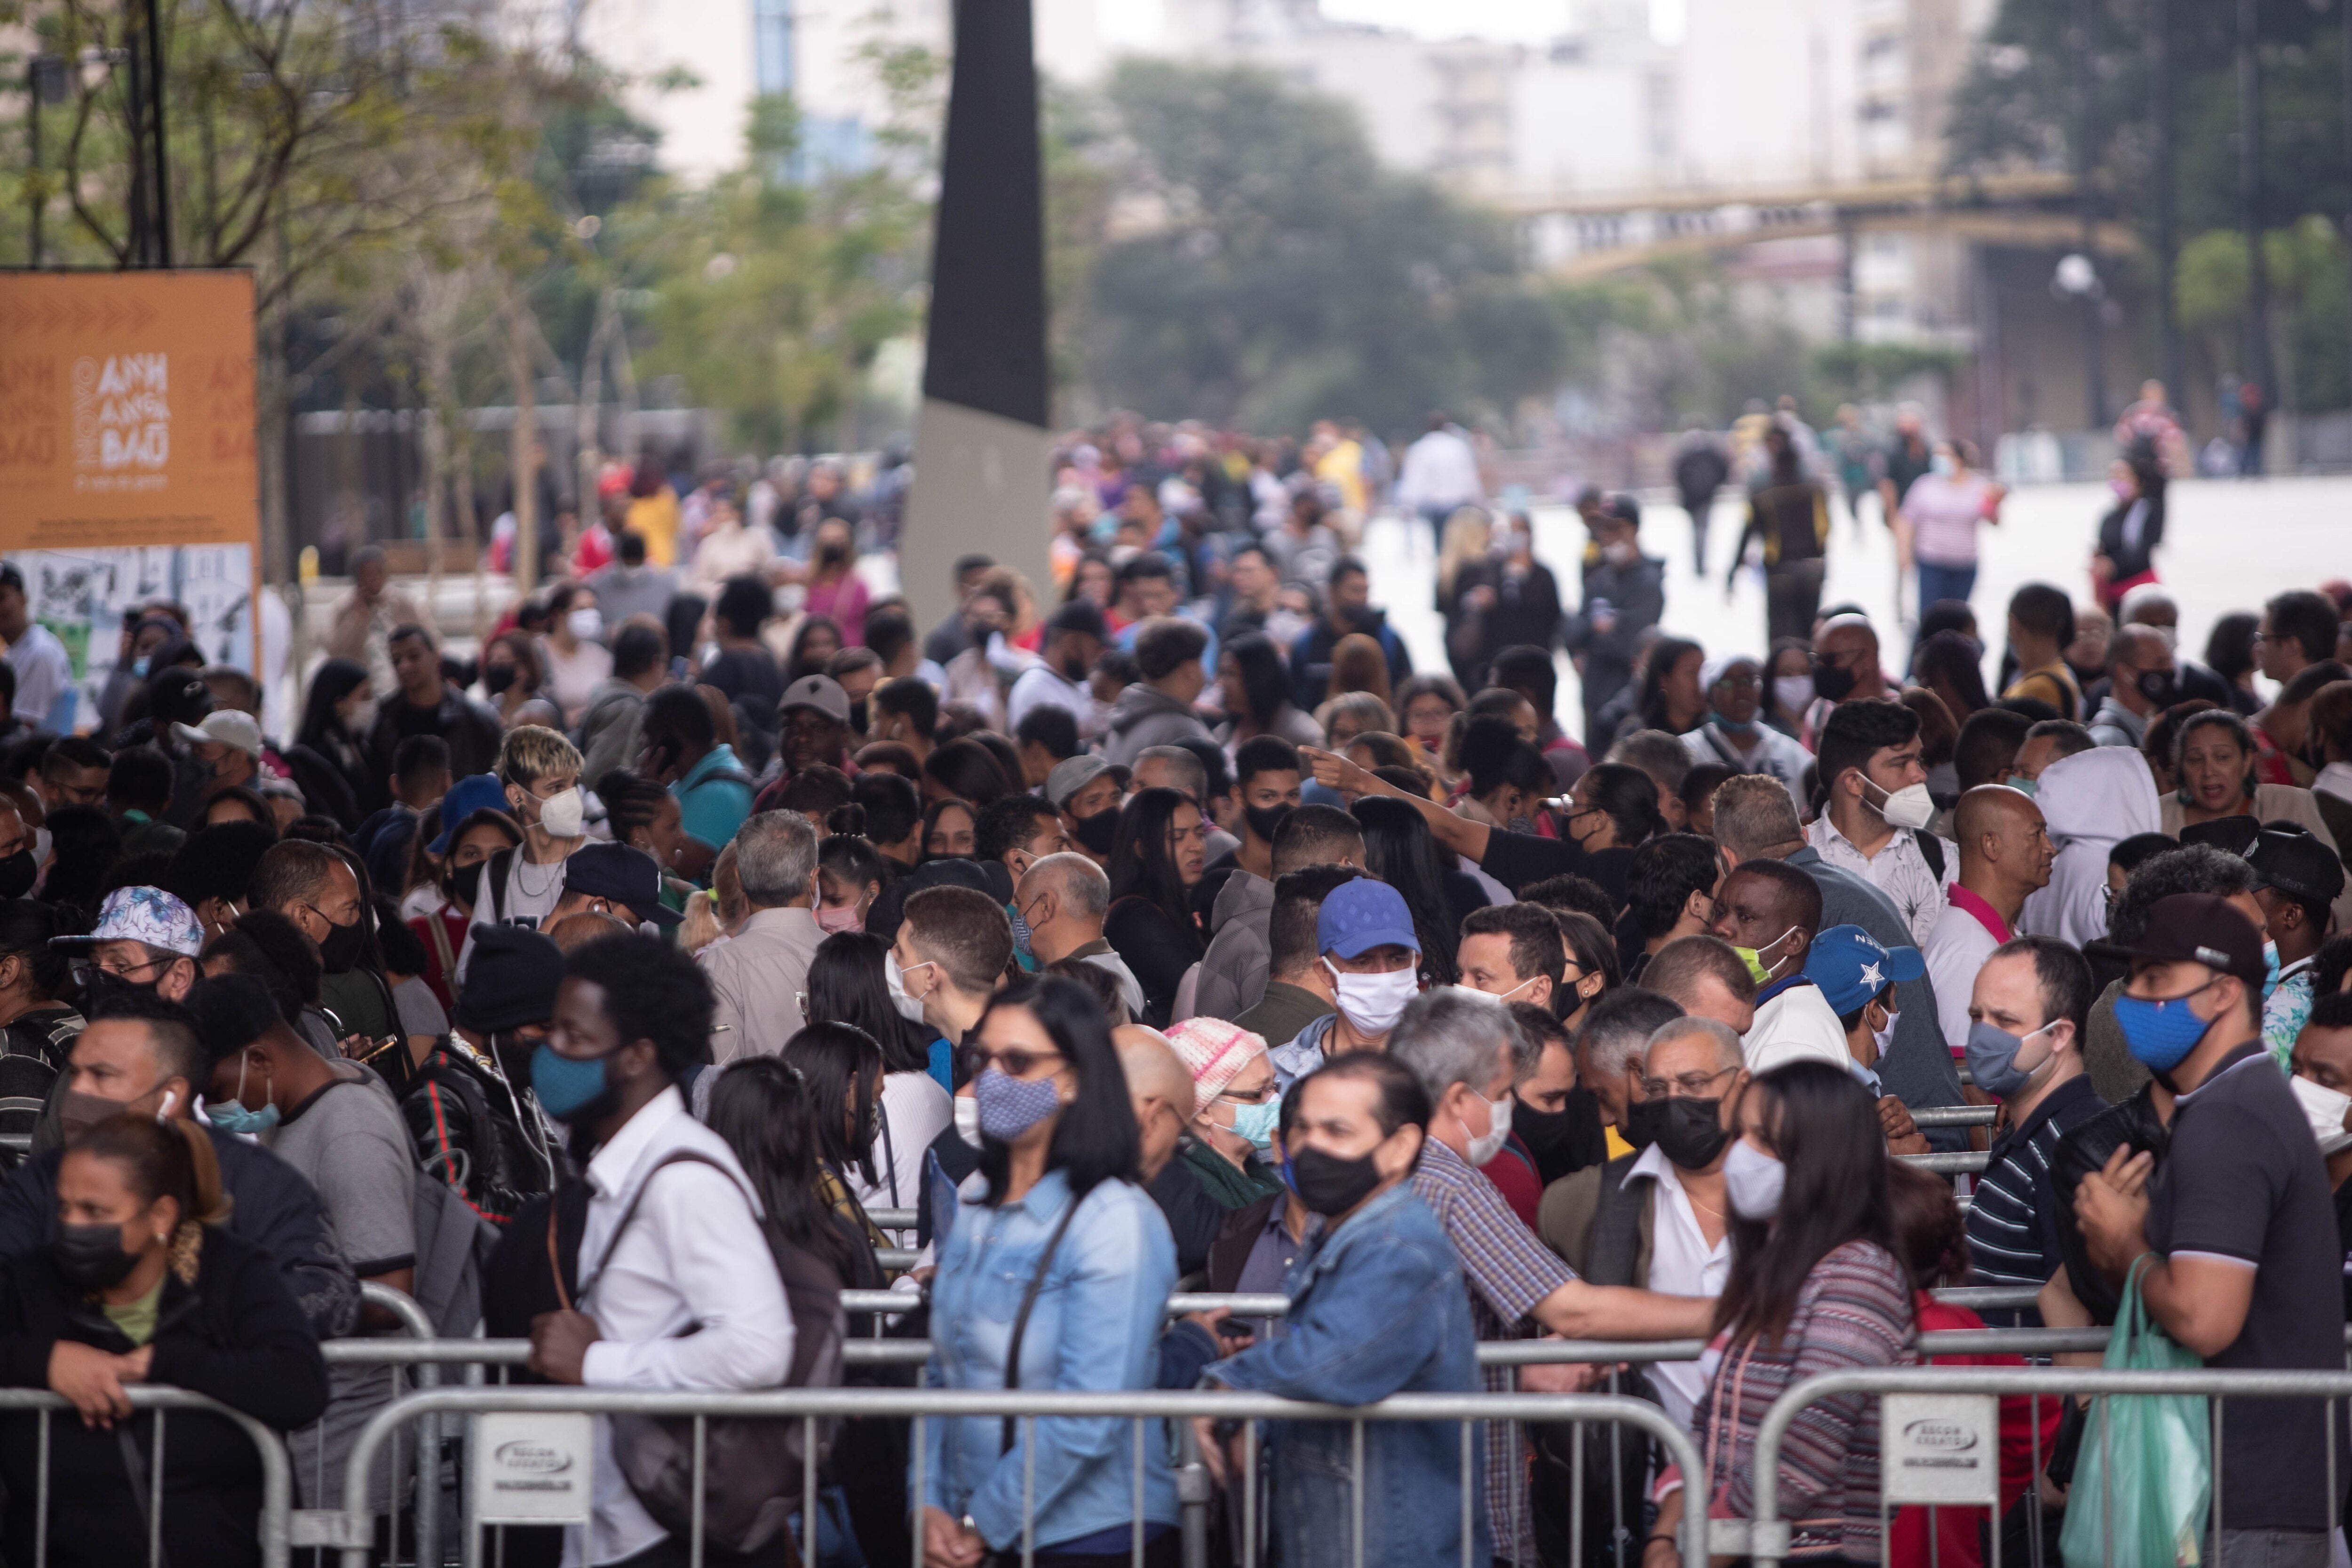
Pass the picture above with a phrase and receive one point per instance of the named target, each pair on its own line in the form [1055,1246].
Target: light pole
[2078,279]
[45,82]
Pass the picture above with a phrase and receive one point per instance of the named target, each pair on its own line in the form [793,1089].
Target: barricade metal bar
[892,1218]
[418,1325]
[892,1303]
[1954,1116]
[274,1524]
[1024,1405]
[1947,1165]
[1768,1534]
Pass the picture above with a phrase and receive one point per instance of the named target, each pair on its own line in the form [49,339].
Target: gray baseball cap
[1072,774]
[822,693]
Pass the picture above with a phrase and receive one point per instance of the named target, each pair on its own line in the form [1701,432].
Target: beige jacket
[758,976]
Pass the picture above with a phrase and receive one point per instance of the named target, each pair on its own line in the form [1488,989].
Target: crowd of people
[1159,926]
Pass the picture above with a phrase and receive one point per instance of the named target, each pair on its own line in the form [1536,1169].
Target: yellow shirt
[654,517]
[1343,466]
[2053,683]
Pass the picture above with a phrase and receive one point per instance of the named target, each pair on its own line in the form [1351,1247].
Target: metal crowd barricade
[1954,1116]
[1765,1538]
[277,1472]
[415,1327]
[352,1528]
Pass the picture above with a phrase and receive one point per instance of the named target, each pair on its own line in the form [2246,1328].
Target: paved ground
[2228,546]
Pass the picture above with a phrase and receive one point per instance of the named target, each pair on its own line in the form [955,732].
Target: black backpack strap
[494,880]
[1931,850]
[1029,1300]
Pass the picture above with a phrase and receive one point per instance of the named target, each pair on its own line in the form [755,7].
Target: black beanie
[510,980]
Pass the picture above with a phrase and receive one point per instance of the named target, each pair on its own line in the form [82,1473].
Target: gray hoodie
[1144,716]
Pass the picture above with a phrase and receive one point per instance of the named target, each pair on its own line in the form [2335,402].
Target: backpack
[751,1467]
[1931,850]
[470,1133]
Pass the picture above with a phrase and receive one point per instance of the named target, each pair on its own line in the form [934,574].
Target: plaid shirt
[1508,1272]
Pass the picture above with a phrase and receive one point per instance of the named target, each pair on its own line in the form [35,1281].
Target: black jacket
[471,729]
[233,1335]
[276,1210]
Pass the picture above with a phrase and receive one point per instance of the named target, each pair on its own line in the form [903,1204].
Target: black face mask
[857,716]
[16,874]
[1328,1185]
[1267,821]
[102,988]
[1689,1132]
[1098,832]
[1074,672]
[340,952]
[497,678]
[91,1256]
[2160,687]
[464,883]
[1832,681]
[1560,1140]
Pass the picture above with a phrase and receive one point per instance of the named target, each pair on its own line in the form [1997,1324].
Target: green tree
[1266,269]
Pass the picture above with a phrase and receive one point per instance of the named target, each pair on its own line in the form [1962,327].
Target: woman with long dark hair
[1156,860]
[1815,1286]
[815,642]
[948,830]
[1065,1227]
[2230,653]
[2122,555]
[1254,681]
[328,757]
[1672,699]
[1399,850]
[1950,664]
[847,986]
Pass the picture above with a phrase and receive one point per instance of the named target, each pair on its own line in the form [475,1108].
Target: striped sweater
[1854,1311]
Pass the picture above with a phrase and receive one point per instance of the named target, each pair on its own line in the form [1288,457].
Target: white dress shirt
[1440,470]
[915,1109]
[1899,870]
[677,1297]
[1681,1264]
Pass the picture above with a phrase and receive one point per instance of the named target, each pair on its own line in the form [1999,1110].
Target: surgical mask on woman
[1753,1180]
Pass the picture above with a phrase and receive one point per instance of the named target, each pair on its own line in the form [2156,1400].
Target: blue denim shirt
[1301,1054]
[1377,1307]
[1096,1326]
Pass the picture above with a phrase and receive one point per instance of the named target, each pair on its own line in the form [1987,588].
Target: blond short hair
[530,752]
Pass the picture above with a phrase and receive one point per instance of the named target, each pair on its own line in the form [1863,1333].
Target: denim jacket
[1302,1053]
[1096,1326]
[1377,1307]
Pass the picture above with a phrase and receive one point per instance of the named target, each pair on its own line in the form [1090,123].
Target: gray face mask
[1993,1059]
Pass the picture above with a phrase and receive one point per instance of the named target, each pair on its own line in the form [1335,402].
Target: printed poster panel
[84,596]
[126,410]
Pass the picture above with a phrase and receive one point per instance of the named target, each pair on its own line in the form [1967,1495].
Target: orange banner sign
[126,410]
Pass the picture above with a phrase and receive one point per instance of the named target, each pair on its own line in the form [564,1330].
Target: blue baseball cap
[466,797]
[1851,967]
[1361,915]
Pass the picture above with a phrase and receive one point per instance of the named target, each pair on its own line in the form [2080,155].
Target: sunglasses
[1015,1063]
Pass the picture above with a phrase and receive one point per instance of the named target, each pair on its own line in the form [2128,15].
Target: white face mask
[1486,1146]
[362,718]
[1792,692]
[43,846]
[2323,1108]
[1752,1180]
[1909,807]
[564,815]
[1372,1003]
[967,1116]
[1494,996]
[585,624]
[910,1007]
[1882,1038]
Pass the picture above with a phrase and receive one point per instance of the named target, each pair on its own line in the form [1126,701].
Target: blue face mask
[565,1087]
[1254,1124]
[2270,970]
[1010,1106]
[1720,722]
[231,1117]
[139,666]
[2160,1034]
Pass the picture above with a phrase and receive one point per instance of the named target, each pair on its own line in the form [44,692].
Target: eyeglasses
[1682,1085]
[1015,1063]
[83,970]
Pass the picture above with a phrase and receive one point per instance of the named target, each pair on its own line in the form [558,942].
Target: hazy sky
[1528,21]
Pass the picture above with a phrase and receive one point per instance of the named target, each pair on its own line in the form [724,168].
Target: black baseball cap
[2296,864]
[2195,929]
[510,981]
[620,873]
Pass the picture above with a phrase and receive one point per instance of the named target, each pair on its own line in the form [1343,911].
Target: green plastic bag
[2144,1472]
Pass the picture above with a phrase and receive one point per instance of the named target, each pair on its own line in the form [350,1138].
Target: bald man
[2005,854]
[1065,899]
[1845,670]
[2141,683]
[1159,1086]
